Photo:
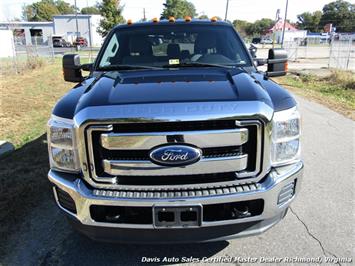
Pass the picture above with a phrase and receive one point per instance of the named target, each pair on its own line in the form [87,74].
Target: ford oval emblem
[175,155]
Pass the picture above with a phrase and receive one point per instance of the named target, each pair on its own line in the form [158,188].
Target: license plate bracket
[177,216]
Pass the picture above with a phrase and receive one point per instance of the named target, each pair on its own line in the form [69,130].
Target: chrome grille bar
[204,166]
[148,140]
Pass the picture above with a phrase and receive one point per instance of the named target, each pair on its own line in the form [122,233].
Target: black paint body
[172,85]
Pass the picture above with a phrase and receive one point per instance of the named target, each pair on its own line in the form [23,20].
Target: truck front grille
[119,153]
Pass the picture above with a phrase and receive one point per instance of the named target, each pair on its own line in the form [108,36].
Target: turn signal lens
[188,19]
[214,19]
[171,19]
[155,20]
[129,22]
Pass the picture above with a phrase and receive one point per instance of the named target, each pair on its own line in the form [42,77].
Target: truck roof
[176,22]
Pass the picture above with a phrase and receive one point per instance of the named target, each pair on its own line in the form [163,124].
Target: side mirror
[87,67]
[277,63]
[261,61]
[72,68]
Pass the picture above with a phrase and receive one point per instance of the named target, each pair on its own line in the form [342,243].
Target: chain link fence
[27,56]
[336,54]
[40,53]
[342,54]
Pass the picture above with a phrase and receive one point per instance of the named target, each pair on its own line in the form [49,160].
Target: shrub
[344,79]
[34,62]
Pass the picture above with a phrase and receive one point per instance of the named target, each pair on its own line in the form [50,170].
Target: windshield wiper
[125,67]
[197,64]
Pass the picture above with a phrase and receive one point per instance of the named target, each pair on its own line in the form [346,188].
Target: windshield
[174,45]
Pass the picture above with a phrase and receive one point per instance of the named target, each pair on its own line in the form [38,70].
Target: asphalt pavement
[319,224]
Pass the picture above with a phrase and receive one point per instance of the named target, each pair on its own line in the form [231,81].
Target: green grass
[336,90]
[27,99]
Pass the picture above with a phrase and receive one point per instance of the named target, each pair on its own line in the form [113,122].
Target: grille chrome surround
[206,165]
[174,112]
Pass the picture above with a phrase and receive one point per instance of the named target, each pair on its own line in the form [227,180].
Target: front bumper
[269,190]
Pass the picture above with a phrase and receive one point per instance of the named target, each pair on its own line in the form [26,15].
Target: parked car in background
[80,41]
[256,40]
[266,41]
[59,41]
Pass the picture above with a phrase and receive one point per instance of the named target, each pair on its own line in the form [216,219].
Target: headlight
[286,132]
[62,150]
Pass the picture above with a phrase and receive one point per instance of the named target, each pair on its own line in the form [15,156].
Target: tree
[310,21]
[203,16]
[341,14]
[178,9]
[259,27]
[44,10]
[64,7]
[241,26]
[90,10]
[112,13]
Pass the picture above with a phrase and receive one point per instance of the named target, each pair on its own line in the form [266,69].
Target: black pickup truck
[175,136]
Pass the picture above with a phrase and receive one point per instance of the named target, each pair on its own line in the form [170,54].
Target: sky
[249,10]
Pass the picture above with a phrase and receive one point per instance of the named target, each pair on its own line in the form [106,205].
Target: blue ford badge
[175,155]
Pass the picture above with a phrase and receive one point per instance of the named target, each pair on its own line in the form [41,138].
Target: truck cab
[174,136]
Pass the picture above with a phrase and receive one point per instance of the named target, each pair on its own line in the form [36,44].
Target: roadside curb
[6,148]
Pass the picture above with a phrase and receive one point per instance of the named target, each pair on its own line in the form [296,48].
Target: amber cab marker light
[155,20]
[188,19]
[286,67]
[129,22]
[171,19]
[214,19]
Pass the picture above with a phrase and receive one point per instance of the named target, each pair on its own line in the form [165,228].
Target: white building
[7,44]
[65,25]
[40,33]
[29,33]
[292,34]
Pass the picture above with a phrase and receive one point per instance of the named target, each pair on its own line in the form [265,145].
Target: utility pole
[283,29]
[144,17]
[226,15]
[76,21]
[277,18]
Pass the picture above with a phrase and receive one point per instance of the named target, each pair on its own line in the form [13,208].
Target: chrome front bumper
[269,190]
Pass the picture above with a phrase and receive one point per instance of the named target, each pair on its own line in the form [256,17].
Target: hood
[172,86]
